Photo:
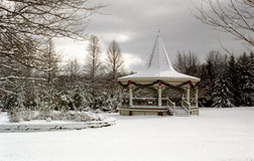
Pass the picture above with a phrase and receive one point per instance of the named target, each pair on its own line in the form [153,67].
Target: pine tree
[222,95]
[246,80]
[207,81]
[233,79]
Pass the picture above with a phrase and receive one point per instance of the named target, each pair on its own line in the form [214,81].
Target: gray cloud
[134,25]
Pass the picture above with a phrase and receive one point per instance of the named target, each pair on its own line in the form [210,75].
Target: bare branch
[235,17]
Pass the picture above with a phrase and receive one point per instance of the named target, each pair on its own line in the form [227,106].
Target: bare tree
[187,63]
[50,60]
[114,61]
[24,20]
[92,69]
[92,61]
[13,65]
[25,26]
[73,69]
[233,16]
[45,18]
[218,60]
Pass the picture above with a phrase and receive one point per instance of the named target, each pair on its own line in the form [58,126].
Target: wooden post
[196,96]
[159,96]
[188,94]
[121,97]
[130,96]
[183,94]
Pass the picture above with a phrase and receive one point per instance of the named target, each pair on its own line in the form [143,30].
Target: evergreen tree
[233,79]
[207,81]
[210,71]
[221,96]
[245,80]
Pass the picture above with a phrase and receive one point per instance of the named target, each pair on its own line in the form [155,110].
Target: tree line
[226,80]
[92,86]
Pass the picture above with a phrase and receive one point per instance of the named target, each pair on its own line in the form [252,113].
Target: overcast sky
[134,24]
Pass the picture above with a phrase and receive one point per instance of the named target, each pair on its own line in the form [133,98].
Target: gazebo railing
[170,104]
[186,106]
[145,101]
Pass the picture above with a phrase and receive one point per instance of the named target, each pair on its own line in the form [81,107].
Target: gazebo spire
[159,59]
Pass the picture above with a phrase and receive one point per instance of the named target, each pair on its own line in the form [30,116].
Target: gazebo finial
[159,32]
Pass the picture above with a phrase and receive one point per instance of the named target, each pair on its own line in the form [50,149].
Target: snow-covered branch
[22,78]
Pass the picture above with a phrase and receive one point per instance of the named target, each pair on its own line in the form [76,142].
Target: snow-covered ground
[215,135]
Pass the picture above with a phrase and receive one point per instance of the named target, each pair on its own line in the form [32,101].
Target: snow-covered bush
[74,116]
[65,102]
[15,115]
[111,101]
[28,115]
[78,98]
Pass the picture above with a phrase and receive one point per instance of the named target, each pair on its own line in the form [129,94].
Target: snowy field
[215,135]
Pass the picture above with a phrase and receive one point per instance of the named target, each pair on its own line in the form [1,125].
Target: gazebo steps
[179,111]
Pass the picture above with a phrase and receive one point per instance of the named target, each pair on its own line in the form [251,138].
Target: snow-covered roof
[159,68]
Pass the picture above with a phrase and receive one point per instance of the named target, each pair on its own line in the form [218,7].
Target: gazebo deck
[145,110]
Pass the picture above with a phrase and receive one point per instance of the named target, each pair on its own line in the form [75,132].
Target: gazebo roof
[159,68]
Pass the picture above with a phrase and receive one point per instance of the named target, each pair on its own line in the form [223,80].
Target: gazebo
[159,89]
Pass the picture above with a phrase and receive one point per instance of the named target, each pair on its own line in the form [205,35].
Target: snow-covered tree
[245,80]
[208,78]
[233,79]
[24,27]
[222,96]
[210,71]
[49,68]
